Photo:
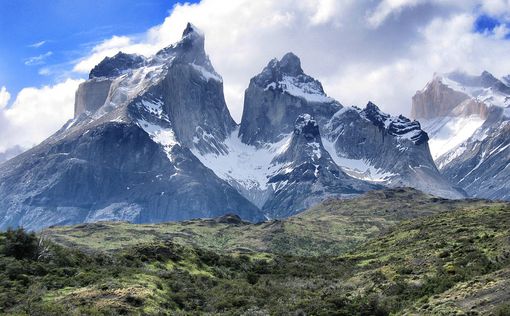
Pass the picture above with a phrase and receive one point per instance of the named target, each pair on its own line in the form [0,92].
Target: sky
[361,50]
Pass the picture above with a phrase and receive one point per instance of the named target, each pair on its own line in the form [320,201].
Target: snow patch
[309,90]
[249,166]
[488,96]
[163,136]
[357,168]
[446,133]
[207,75]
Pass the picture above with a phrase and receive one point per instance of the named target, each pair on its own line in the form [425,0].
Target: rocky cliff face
[308,174]
[277,96]
[126,154]
[436,100]
[469,140]
[375,146]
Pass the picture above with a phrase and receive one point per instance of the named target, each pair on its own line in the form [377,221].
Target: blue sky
[49,35]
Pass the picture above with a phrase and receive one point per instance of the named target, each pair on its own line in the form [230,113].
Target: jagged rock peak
[192,29]
[286,75]
[193,39]
[291,64]
[116,65]
[399,126]
[307,127]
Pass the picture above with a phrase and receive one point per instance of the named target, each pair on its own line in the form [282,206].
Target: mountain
[467,118]
[276,158]
[308,174]
[374,146]
[277,96]
[274,166]
[152,140]
[126,154]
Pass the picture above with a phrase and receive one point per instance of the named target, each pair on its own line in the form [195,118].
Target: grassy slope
[445,263]
[330,228]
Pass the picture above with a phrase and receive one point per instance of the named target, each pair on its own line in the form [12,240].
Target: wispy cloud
[37,44]
[38,60]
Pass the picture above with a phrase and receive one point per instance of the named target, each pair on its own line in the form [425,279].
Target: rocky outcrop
[91,95]
[117,65]
[277,96]
[377,147]
[308,174]
[436,100]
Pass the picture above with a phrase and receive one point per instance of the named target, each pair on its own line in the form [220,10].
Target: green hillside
[331,228]
[389,252]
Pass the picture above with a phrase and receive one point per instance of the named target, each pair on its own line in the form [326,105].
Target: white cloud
[499,8]
[386,8]
[381,50]
[353,47]
[35,114]
[38,60]
[5,96]
[37,44]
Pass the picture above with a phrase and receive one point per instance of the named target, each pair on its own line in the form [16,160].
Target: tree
[21,244]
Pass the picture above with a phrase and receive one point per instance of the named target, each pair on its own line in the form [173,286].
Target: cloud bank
[381,51]
[361,50]
[35,114]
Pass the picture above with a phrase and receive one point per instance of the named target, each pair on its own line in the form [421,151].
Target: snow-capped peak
[287,76]
[483,88]
[399,126]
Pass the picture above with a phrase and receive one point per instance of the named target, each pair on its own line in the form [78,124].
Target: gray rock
[277,96]
[117,65]
[91,95]
[395,147]
[437,99]
[308,174]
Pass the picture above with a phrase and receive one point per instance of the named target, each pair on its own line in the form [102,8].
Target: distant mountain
[152,140]
[467,118]
[374,146]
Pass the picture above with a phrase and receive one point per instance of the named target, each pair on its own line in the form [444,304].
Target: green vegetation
[331,228]
[443,258]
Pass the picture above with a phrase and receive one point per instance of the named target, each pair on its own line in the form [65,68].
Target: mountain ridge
[137,114]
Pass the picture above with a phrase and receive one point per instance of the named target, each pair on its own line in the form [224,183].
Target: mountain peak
[191,29]
[116,65]
[291,64]
[192,43]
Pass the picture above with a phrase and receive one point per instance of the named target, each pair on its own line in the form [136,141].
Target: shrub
[20,244]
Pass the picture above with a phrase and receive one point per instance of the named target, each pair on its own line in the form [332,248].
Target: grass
[339,258]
